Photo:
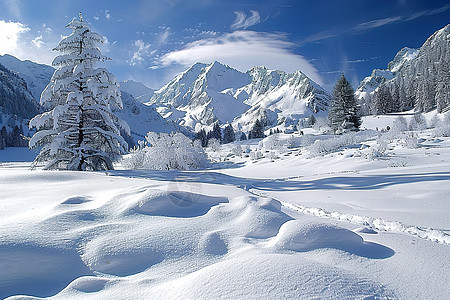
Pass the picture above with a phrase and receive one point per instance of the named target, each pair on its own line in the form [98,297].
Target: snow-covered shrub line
[166,152]
[323,147]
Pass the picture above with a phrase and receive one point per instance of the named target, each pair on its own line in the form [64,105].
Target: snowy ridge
[138,90]
[205,94]
[434,235]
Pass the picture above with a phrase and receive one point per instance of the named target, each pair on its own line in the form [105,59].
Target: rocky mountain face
[207,93]
[418,79]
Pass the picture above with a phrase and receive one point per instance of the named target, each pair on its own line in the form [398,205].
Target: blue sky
[151,41]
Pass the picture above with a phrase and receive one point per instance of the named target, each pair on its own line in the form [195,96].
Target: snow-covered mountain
[138,90]
[143,118]
[37,76]
[416,78]
[370,83]
[24,81]
[206,93]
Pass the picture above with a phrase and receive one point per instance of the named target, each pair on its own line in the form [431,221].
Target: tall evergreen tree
[228,134]
[257,130]
[344,114]
[243,137]
[79,131]
[201,135]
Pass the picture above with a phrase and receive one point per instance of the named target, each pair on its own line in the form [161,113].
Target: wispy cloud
[356,61]
[242,22]
[376,23]
[141,51]
[373,24]
[243,50]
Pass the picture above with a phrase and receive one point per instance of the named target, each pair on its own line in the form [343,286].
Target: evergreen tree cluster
[15,138]
[344,113]
[216,133]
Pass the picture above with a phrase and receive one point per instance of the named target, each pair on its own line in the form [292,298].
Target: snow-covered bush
[255,155]
[443,127]
[418,122]
[306,140]
[434,122]
[410,140]
[272,142]
[290,143]
[214,144]
[400,124]
[165,151]
[321,124]
[237,150]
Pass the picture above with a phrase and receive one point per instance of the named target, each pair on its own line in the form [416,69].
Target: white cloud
[141,51]
[242,22]
[243,50]
[10,33]
[38,42]
[107,15]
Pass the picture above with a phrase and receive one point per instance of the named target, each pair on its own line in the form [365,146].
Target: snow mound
[213,243]
[173,204]
[298,236]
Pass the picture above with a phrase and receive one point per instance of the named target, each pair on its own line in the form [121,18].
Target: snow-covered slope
[37,76]
[341,225]
[138,90]
[206,93]
[15,98]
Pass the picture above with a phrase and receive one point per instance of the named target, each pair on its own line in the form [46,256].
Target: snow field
[130,238]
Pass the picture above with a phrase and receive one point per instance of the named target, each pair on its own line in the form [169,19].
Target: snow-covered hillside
[206,93]
[358,216]
[138,90]
[37,76]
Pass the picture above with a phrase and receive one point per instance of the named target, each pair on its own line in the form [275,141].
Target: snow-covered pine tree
[382,100]
[228,134]
[202,137]
[343,114]
[79,131]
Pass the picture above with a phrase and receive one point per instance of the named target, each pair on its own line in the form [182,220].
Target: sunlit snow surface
[251,230]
